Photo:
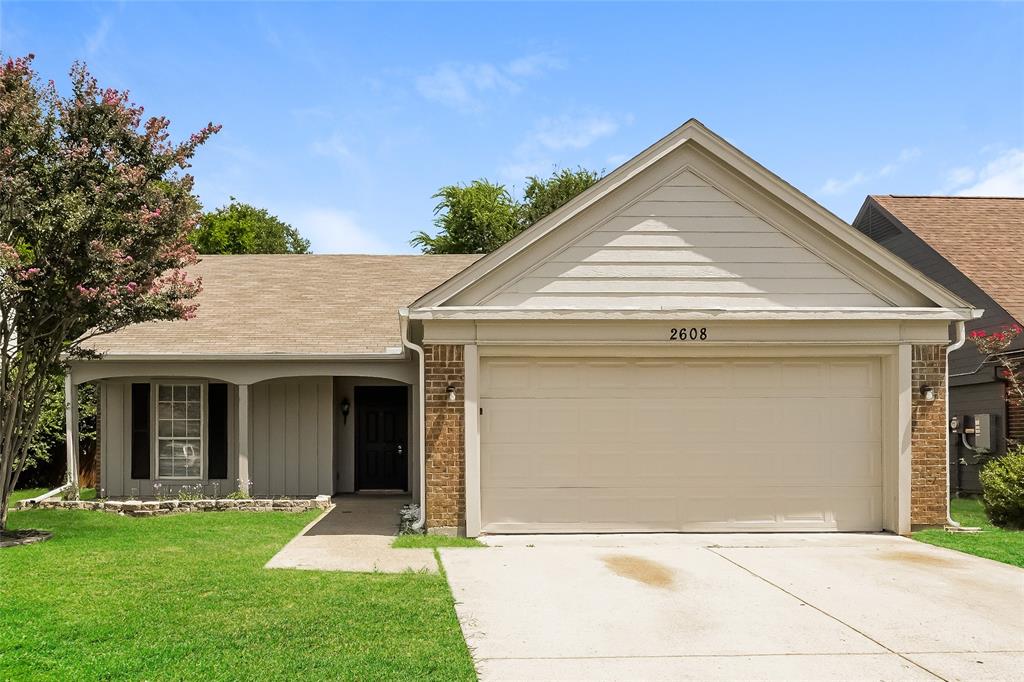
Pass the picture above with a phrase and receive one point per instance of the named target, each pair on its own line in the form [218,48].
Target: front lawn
[995,543]
[187,597]
[27,493]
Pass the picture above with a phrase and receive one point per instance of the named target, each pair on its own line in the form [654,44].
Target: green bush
[1002,483]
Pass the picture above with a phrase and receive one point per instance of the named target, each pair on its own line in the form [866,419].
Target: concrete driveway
[736,607]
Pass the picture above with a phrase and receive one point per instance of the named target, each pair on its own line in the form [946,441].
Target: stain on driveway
[639,569]
[772,607]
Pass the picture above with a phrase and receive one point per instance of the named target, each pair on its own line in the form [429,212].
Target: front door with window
[382,443]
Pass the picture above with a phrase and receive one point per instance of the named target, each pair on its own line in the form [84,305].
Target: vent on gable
[876,226]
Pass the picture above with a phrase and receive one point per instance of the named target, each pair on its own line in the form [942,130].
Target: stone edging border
[162,507]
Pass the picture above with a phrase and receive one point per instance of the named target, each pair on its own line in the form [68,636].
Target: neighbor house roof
[983,237]
[292,305]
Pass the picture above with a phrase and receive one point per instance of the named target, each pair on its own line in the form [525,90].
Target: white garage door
[585,444]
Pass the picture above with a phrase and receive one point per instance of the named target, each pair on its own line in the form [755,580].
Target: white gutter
[961,338]
[403,316]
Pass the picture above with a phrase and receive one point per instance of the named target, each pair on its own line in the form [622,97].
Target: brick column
[445,439]
[928,487]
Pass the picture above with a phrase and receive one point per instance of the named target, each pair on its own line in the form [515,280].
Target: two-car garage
[680,444]
[689,345]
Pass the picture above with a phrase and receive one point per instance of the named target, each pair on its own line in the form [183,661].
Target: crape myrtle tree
[95,215]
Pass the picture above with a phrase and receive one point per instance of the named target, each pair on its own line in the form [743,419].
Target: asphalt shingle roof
[983,237]
[292,304]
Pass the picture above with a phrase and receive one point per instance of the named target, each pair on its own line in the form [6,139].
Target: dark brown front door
[382,443]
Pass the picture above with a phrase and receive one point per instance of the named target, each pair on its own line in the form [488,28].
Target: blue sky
[345,118]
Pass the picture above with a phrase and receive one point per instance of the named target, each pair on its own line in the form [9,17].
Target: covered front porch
[266,429]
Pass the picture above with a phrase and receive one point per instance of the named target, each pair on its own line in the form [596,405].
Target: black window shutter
[217,425]
[140,431]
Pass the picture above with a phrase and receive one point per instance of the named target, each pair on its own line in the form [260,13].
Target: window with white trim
[179,430]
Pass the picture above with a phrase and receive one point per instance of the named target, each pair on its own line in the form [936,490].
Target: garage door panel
[587,444]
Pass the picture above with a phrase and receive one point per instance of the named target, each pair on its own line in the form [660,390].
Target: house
[690,345]
[974,246]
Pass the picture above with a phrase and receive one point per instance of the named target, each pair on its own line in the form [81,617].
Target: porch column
[71,428]
[243,437]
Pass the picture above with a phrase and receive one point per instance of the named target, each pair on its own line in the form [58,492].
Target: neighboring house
[689,345]
[974,246]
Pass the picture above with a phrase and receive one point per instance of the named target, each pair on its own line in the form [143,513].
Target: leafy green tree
[474,218]
[544,195]
[241,228]
[481,216]
[95,214]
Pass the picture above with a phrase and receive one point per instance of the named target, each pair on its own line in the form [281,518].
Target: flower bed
[161,507]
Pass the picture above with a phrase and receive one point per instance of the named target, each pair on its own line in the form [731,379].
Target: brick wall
[928,438]
[445,442]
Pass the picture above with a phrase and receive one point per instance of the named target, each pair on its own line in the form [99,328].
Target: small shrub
[238,495]
[1002,483]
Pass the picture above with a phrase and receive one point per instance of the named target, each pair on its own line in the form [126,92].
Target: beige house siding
[683,245]
[116,445]
[292,437]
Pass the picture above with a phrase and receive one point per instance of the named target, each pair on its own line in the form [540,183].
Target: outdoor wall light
[346,407]
[928,393]
[451,393]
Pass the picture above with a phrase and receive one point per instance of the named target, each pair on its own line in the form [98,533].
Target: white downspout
[961,338]
[403,316]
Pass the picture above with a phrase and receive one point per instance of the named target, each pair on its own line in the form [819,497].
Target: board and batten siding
[115,412]
[684,245]
[292,437]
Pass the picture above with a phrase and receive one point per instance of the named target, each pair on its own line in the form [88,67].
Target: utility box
[984,432]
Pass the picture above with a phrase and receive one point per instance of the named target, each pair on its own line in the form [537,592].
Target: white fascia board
[244,357]
[886,313]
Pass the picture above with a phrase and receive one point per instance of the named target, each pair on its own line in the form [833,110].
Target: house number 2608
[689,334]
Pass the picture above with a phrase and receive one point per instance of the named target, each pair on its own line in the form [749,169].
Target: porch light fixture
[928,393]
[346,406]
[451,393]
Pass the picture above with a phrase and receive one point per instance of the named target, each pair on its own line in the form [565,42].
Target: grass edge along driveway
[187,597]
[993,543]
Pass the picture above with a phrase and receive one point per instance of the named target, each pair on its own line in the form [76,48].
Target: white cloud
[95,41]
[463,85]
[554,135]
[570,132]
[1003,176]
[331,230]
[616,160]
[334,147]
[534,65]
[836,186]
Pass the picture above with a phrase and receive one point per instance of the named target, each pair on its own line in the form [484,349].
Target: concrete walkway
[355,536]
[727,607]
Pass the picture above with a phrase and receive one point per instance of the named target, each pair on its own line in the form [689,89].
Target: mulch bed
[13,538]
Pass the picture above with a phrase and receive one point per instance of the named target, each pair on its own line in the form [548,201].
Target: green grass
[995,543]
[26,493]
[434,541]
[186,597]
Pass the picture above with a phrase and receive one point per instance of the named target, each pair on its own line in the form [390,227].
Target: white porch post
[71,427]
[243,437]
